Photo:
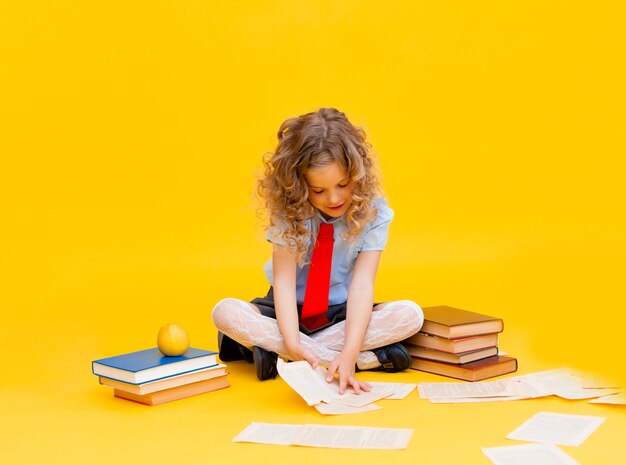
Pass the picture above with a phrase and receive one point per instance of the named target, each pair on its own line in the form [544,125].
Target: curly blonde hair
[310,141]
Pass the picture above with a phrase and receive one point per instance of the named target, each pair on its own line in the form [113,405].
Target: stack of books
[151,378]
[459,344]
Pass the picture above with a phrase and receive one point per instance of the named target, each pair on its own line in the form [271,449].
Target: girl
[328,227]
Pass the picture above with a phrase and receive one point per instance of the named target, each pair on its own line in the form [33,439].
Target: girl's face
[330,189]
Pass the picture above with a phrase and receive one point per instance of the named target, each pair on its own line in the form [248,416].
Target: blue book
[151,365]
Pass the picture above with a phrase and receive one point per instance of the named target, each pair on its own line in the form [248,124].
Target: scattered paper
[557,428]
[351,399]
[268,433]
[342,437]
[312,386]
[475,400]
[464,390]
[577,393]
[310,383]
[615,399]
[338,409]
[546,383]
[307,381]
[398,390]
[528,454]
[514,388]
[562,382]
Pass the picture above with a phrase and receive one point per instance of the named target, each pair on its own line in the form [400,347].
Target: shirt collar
[330,221]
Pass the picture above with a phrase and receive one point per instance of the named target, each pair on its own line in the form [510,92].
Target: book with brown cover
[176,393]
[453,346]
[167,383]
[457,359]
[473,371]
[451,322]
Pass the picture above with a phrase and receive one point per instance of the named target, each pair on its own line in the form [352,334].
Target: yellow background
[131,135]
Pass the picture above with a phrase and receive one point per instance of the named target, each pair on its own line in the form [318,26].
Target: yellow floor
[54,410]
[131,134]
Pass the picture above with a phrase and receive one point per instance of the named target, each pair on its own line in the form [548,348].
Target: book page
[355,437]
[267,433]
[557,428]
[311,384]
[562,382]
[342,437]
[475,400]
[307,381]
[398,390]
[577,392]
[462,390]
[528,454]
[350,399]
[546,383]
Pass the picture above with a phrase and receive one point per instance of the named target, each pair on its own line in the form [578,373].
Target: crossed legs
[390,322]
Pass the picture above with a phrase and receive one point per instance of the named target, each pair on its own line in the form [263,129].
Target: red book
[473,371]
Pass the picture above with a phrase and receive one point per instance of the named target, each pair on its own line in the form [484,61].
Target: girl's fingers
[356,386]
[309,357]
[330,374]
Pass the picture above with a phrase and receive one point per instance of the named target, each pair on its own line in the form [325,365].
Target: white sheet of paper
[563,382]
[351,399]
[557,428]
[528,454]
[342,437]
[475,400]
[398,390]
[338,409]
[355,437]
[307,381]
[267,433]
[311,384]
[463,390]
[545,383]
[577,393]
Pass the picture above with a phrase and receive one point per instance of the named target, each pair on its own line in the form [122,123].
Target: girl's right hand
[302,353]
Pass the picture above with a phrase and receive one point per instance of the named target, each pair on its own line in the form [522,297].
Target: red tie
[318,282]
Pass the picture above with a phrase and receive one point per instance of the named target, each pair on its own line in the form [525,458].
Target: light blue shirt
[373,237]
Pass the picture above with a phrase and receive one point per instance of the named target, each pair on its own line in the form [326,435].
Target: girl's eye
[342,185]
[317,192]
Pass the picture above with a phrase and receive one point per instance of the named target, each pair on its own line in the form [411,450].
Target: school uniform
[345,252]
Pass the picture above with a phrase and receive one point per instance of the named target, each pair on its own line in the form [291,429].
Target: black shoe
[231,351]
[265,363]
[393,357]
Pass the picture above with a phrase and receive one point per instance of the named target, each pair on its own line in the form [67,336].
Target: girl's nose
[334,197]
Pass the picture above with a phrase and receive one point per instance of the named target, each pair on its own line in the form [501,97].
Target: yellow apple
[172,340]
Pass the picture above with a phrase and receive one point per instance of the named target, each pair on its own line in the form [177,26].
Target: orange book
[473,371]
[166,383]
[176,393]
[452,346]
[456,359]
[451,322]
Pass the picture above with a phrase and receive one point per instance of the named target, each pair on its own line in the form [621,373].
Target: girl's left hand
[344,366]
